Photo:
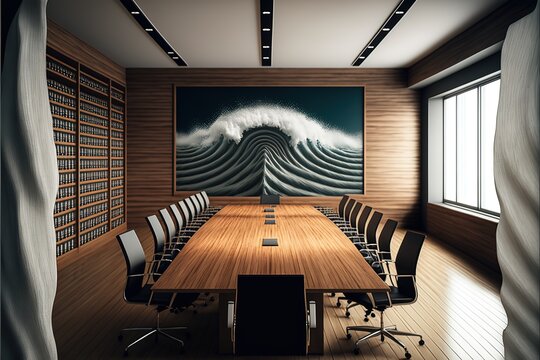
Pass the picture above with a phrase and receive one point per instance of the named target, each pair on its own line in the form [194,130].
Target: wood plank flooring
[458,311]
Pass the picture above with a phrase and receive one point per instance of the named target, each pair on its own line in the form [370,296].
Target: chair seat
[381,299]
[162,299]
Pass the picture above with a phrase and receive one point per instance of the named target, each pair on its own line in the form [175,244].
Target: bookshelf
[88,111]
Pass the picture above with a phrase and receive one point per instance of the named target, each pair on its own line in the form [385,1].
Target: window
[468,132]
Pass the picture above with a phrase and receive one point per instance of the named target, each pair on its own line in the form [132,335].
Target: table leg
[225,339]
[316,345]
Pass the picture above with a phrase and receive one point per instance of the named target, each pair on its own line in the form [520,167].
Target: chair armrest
[230,314]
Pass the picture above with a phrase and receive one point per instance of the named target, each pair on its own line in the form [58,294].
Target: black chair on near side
[138,289]
[174,241]
[404,293]
[351,226]
[270,199]
[340,208]
[358,234]
[270,316]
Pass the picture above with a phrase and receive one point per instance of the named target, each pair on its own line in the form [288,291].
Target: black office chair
[269,199]
[383,255]
[346,215]
[351,226]
[368,243]
[180,222]
[206,210]
[162,251]
[174,239]
[404,293]
[270,315]
[138,289]
[336,212]
[358,233]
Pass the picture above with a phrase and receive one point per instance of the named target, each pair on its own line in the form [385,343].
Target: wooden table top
[230,243]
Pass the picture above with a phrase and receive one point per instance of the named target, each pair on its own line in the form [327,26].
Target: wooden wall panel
[392,126]
[473,235]
[485,33]
[75,48]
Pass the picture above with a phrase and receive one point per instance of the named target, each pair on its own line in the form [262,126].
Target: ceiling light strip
[145,23]
[267,29]
[396,15]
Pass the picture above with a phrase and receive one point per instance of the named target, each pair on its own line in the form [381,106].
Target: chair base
[389,332]
[150,331]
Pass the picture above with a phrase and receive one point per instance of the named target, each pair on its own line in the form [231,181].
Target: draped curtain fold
[517,149]
[29,186]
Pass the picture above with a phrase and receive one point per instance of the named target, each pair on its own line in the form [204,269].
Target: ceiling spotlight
[399,12]
[175,57]
[170,52]
[370,46]
[385,29]
[266,29]
[266,47]
[265,58]
[362,57]
[266,12]
[135,13]
[148,29]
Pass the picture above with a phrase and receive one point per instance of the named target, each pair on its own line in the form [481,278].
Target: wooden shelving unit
[88,111]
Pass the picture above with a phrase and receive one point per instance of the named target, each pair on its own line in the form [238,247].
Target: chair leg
[139,340]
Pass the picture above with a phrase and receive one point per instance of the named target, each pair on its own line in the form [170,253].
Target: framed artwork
[252,140]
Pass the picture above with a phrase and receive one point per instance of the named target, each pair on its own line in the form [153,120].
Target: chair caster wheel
[373,315]
[338,304]
[407,355]
[366,319]
[421,342]
[347,314]
[212,298]
[332,294]
[349,301]
[356,351]
[120,337]
[349,336]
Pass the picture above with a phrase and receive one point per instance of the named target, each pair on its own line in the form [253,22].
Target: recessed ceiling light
[370,46]
[266,12]
[149,29]
[266,29]
[362,57]
[266,47]
[385,29]
[399,12]
[175,57]
[170,52]
[135,13]
[265,58]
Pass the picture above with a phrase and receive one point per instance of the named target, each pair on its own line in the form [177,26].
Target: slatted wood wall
[392,135]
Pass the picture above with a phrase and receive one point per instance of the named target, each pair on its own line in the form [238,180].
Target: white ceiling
[307,33]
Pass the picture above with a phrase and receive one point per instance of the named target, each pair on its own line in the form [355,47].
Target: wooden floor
[458,311]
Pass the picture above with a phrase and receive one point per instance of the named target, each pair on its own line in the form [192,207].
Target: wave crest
[297,125]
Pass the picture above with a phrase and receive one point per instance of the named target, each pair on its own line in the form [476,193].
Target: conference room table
[230,244]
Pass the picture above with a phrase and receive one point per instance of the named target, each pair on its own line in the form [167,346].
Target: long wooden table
[230,243]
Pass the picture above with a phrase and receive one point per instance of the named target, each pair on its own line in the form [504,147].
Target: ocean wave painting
[269,149]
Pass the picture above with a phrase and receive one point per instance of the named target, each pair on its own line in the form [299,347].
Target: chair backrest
[135,262]
[169,224]
[184,210]
[270,315]
[191,208]
[342,203]
[200,198]
[406,261]
[354,214]
[348,210]
[371,231]
[362,220]
[196,204]
[206,198]
[178,216]
[157,233]
[270,199]
[385,238]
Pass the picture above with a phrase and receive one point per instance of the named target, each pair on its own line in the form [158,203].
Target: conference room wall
[392,135]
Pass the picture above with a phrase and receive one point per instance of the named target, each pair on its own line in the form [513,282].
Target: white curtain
[29,185]
[516,177]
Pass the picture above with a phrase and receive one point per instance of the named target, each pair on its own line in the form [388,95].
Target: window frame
[477,85]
